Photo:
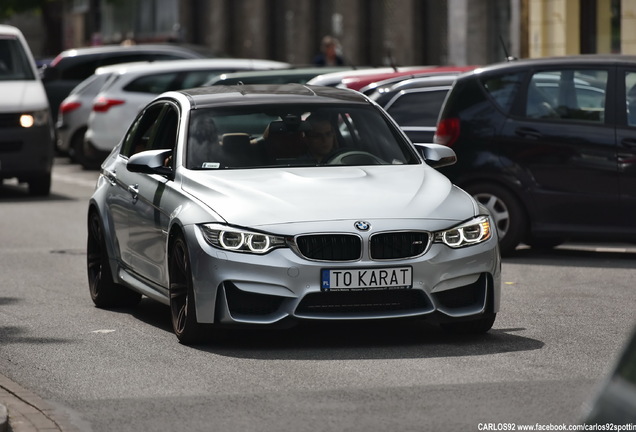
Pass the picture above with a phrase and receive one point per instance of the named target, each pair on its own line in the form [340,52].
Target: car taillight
[447,131]
[103,104]
[67,107]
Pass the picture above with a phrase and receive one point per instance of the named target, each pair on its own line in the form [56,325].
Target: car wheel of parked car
[506,212]
[104,291]
[478,326]
[40,185]
[182,309]
[77,147]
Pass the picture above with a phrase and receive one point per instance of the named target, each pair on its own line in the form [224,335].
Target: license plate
[367,279]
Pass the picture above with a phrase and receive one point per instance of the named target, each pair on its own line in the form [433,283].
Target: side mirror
[150,162]
[437,155]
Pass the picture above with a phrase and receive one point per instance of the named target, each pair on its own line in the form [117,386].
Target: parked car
[133,85]
[278,76]
[257,205]
[26,129]
[73,113]
[333,79]
[367,83]
[72,66]
[549,146]
[415,103]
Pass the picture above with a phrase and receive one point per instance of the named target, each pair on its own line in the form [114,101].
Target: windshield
[293,135]
[14,64]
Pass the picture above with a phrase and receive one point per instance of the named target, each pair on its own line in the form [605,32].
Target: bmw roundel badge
[362,225]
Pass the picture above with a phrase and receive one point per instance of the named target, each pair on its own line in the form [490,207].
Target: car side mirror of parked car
[437,155]
[151,162]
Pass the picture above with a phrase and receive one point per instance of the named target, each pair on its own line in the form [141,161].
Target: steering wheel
[353,157]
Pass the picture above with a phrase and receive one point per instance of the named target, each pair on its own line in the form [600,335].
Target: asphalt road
[565,314]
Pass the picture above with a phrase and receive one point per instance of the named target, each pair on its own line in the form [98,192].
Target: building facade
[371,32]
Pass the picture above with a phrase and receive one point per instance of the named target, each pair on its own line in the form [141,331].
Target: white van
[27,134]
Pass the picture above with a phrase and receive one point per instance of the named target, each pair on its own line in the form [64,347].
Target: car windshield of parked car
[293,136]
[14,64]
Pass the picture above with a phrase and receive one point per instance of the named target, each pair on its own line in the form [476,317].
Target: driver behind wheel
[320,138]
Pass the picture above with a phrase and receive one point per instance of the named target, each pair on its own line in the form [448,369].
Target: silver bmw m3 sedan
[268,205]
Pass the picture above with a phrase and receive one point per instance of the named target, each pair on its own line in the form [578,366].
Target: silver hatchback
[262,205]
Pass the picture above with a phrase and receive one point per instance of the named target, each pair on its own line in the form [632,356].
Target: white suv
[27,136]
[135,84]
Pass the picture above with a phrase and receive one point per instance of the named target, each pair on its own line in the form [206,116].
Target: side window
[630,100]
[576,95]
[137,138]
[154,84]
[80,71]
[165,135]
[197,78]
[503,89]
[418,108]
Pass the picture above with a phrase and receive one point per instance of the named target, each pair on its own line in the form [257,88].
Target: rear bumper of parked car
[235,288]
[26,152]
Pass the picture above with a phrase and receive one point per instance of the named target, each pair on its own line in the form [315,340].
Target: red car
[367,83]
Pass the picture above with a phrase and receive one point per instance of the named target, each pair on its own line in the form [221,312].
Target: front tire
[506,211]
[105,293]
[182,303]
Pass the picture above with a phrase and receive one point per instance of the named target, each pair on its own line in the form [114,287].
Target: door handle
[134,191]
[111,177]
[529,133]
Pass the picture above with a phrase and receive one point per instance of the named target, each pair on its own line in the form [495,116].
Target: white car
[73,113]
[135,84]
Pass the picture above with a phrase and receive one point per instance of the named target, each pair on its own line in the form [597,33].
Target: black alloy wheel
[182,306]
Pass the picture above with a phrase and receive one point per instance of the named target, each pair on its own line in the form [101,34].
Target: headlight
[238,240]
[36,118]
[469,233]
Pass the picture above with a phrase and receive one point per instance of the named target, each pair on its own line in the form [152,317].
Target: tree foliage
[9,8]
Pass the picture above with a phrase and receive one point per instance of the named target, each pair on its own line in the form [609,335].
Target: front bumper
[237,288]
[26,152]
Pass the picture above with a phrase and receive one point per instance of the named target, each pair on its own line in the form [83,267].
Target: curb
[24,411]
[4,419]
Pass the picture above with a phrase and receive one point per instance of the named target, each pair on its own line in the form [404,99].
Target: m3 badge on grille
[362,225]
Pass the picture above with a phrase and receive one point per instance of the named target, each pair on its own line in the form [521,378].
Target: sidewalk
[24,411]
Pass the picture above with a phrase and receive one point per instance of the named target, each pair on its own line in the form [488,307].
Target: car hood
[261,197]
[22,96]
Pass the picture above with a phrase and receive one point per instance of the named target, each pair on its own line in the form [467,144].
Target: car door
[139,220]
[148,214]
[626,143]
[560,136]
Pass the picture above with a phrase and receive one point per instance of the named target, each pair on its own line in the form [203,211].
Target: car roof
[201,97]
[172,65]
[9,30]
[333,78]
[107,49]
[291,72]
[582,60]
[384,93]
[360,82]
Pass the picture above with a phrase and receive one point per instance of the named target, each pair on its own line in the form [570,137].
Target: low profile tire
[506,211]
[40,185]
[105,293]
[478,326]
[76,152]
[182,306]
